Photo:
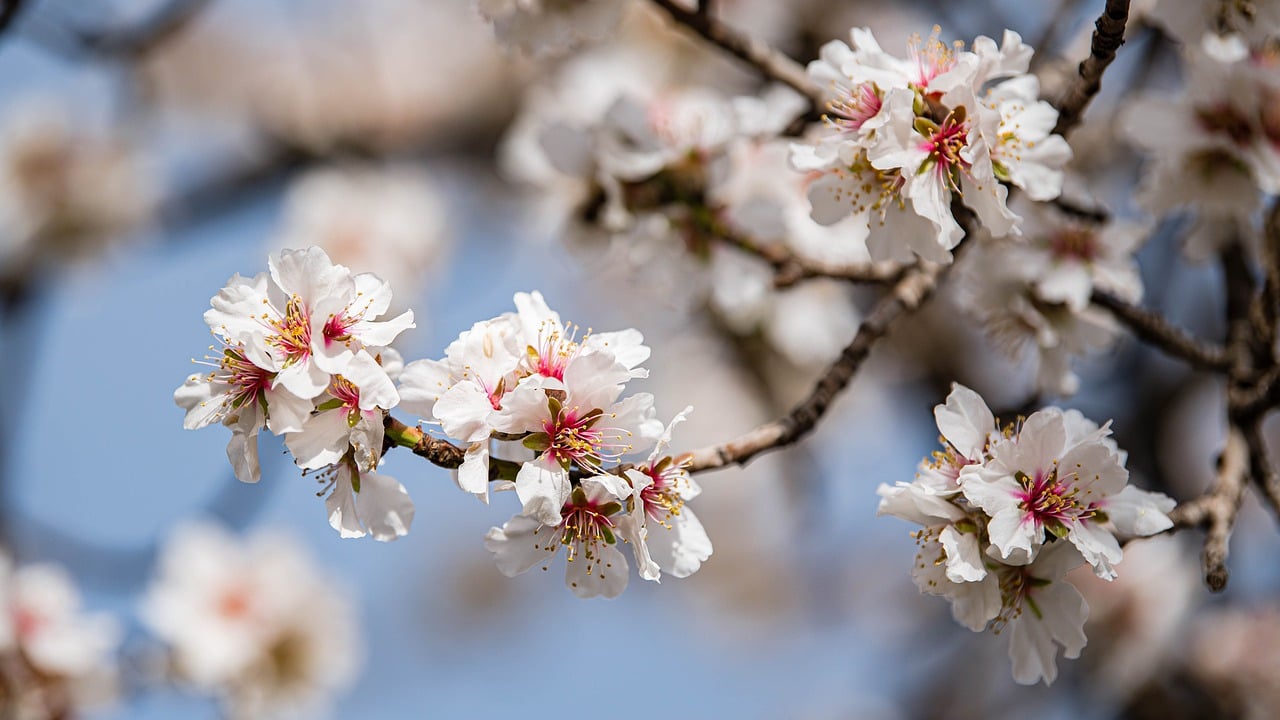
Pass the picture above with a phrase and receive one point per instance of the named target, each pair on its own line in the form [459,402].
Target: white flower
[1043,483]
[585,527]
[351,419]
[64,192]
[906,135]
[574,422]
[664,533]
[1002,294]
[1042,612]
[242,396]
[58,659]
[1066,259]
[389,221]
[252,622]
[309,321]
[366,503]
[967,428]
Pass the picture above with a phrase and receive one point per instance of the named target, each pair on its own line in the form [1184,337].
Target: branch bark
[1153,328]
[769,62]
[789,268]
[1108,36]
[908,295]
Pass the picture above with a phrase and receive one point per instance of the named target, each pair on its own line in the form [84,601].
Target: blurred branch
[1108,36]
[789,268]
[8,12]
[125,43]
[766,60]
[908,295]
[1216,511]
[1154,328]
[1260,468]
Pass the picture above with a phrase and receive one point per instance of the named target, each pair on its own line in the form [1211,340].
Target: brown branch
[1266,306]
[1153,328]
[789,268]
[769,62]
[909,293]
[1260,468]
[1108,36]
[437,451]
[1216,512]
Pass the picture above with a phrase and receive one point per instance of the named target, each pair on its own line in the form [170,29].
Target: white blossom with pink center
[575,422]
[349,420]
[586,525]
[58,659]
[910,134]
[1047,482]
[967,427]
[252,622]
[309,321]
[665,535]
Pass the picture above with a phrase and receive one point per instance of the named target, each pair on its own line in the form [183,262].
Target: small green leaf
[579,496]
[608,535]
[332,404]
[1035,609]
[355,481]
[610,509]
[537,442]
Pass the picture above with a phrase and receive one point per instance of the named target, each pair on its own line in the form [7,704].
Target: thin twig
[766,60]
[1154,328]
[1108,36]
[906,296]
[789,268]
[1260,468]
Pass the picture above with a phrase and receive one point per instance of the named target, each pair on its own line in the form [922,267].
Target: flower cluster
[1008,510]
[527,379]
[54,659]
[1036,292]
[905,136]
[1216,148]
[251,622]
[303,354]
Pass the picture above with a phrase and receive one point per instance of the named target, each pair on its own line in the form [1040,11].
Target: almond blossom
[586,527]
[1006,511]
[57,659]
[252,623]
[665,535]
[905,136]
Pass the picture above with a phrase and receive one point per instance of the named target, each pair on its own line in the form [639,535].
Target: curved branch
[1153,328]
[789,268]
[1108,36]
[908,295]
[769,62]
[1216,511]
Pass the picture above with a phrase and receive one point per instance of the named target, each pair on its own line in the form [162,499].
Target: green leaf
[332,404]
[579,496]
[537,442]
[610,509]
[608,535]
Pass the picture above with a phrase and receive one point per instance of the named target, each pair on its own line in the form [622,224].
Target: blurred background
[188,140]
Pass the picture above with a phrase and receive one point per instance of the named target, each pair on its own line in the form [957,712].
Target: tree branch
[1108,36]
[769,62]
[789,268]
[1216,512]
[910,292]
[1153,328]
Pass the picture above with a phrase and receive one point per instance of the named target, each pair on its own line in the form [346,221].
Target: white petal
[521,544]
[543,487]
[385,507]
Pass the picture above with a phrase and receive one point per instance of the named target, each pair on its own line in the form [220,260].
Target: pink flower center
[930,57]
[662,500]
[27,622]
[248,382]
[1223,119]
[855,108]
[944,146]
